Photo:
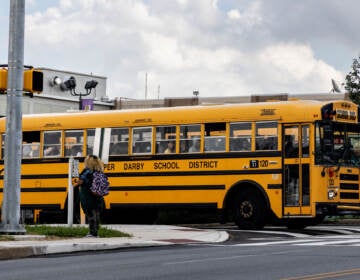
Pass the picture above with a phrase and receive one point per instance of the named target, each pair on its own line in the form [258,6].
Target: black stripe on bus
[274,186]
[169,188]
[349,177]
[348,186]
[41,206]
[164,205]
[56,189]
[195,173]
[41,176]
[44,176]
[347,204]
[45,160]
[208,156]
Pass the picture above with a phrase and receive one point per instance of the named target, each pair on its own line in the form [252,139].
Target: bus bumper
[326,209]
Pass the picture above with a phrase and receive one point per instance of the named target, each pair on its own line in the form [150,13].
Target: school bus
[288,162]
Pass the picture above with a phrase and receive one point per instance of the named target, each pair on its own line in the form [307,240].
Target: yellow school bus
[290,162]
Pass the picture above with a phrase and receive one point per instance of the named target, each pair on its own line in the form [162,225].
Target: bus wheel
[249,210]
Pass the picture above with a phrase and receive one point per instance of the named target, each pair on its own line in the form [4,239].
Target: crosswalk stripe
[284,242]
[333,242]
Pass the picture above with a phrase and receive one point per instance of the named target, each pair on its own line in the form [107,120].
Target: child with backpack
[91,180]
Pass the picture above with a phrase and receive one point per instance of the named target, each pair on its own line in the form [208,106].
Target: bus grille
[349,186]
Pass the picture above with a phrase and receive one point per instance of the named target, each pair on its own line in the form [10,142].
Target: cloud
[251,16]
[182,45]
[294,68]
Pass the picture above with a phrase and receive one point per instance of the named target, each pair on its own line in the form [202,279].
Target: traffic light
[33,80]
[3,80]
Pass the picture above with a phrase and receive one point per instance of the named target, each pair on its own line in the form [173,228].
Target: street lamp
[70,85]
[90,85]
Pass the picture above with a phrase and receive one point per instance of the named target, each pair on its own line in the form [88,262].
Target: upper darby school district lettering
[171,165]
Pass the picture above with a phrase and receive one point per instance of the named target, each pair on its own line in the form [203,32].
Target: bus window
[305,141]
[74,143]
[240,136]
[215,137]
[190,138]
[266,136]
[119,142]
[31,144]
[142,139]
[52,144]
[90,138]
[165,139]
[355,143]
[291,145]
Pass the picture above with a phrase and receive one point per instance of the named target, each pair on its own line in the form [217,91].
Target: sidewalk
[142,236]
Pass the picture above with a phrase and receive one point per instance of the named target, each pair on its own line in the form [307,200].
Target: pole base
[12,229]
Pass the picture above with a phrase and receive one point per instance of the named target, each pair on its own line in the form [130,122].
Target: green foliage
[66,232]
[352,81]
[105,232]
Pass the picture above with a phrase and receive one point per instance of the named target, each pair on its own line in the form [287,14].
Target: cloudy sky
[219,47]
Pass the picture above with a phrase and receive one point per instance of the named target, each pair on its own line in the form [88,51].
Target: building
[65,91]
[58,97]
[123,103]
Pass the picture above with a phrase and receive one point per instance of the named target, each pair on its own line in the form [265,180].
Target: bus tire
[249,210]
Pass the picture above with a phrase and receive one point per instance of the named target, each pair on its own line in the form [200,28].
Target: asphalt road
[194,262]
[321,256]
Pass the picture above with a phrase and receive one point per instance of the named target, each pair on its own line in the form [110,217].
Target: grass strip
[71,232]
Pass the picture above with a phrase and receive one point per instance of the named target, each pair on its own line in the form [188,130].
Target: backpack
[100,184]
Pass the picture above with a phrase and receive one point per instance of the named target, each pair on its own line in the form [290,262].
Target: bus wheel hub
[246,209]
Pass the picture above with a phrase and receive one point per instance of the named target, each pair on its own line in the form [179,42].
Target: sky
[216,47]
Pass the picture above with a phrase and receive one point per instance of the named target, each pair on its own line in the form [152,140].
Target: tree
[352,81]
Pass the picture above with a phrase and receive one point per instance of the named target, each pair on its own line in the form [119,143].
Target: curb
[17,252]
[24,249]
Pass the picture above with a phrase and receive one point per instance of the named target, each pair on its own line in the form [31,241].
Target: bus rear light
[331,172]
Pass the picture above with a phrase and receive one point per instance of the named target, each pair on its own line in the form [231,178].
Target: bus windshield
[337,144]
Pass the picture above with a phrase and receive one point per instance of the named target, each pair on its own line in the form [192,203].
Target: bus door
[296,174]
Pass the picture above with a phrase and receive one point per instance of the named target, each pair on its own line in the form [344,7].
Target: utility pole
[10,215]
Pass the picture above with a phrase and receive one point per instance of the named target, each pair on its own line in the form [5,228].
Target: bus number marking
[254,163]
[258,163]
